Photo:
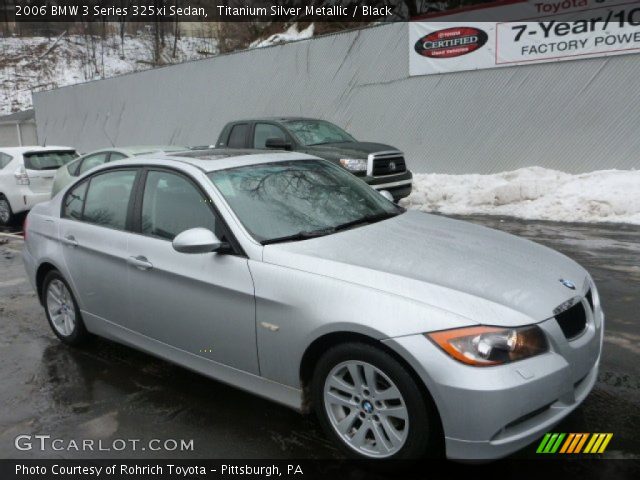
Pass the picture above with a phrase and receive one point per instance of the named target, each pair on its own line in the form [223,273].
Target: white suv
[26,177]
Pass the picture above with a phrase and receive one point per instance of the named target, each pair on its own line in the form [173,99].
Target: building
[18,129]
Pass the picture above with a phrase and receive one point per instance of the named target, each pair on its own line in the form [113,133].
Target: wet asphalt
[106,391]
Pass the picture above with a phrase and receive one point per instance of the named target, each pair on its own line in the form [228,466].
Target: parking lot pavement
[108,391]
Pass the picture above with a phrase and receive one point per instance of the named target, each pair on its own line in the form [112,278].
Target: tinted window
[238,136]
[264,131]
[317,132]
[48,160]
[4,160]
[92,161]
[171,204]
[73,167]
[73,202]
[116,156]
[108,198]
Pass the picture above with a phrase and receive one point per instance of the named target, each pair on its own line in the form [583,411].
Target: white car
[26,177]
[67,174]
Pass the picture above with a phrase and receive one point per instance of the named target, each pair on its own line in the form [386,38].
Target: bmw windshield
[296,200]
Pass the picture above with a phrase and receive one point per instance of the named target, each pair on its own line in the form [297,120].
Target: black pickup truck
[381,166]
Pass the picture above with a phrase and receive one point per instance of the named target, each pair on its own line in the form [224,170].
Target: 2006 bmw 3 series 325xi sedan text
[286,276]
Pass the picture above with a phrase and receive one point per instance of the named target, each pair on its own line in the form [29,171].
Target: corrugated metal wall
[574,116]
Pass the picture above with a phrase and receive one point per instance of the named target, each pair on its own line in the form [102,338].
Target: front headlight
[486,346]
[354,164]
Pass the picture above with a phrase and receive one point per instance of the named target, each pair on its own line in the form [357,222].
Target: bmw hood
[481,274]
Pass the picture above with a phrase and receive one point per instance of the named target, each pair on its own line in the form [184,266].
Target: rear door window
[116,156]
[4,160]
[48,160]
[92,161]
[107,201]
[265,131]
[238,136]
[74,167]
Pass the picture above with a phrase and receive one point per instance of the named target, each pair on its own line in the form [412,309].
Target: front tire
[6,214]
[371,405]
[62,310]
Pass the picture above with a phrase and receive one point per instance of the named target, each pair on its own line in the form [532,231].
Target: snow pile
[290,35]
[533,193]
[40,63]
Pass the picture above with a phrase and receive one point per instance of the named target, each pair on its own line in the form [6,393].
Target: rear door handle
[70,240]
[140,262]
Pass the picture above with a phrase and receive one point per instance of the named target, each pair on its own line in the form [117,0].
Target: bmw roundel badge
[567,283]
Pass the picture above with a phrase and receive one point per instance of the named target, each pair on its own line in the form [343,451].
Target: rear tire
[381,414]
[62,310]
[6,214]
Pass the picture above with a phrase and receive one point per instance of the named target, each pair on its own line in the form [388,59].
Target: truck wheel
[6,214]
[371,405]
[62,310]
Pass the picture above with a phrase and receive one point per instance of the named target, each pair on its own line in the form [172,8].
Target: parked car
[67,174]
[26,177]
[381,166]
[284,275]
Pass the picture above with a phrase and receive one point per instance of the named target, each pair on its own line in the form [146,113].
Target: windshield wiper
[326,143]
[377,217]
[304,235]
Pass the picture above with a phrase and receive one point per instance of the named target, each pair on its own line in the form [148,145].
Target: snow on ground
[40,63]
[533,193]
[290,35]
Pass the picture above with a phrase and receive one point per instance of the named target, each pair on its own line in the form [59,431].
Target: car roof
[277,119]
[34,148]
[220,159]
[140,149]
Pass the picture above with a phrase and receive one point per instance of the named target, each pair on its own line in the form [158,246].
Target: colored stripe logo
[574,443]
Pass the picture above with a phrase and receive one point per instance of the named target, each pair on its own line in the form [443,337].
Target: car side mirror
[387,195]
[277,144]
[198,240]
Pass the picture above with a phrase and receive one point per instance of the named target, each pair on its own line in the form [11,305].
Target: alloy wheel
[366,409]
[61,308]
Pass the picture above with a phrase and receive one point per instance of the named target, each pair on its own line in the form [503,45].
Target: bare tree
[176,35]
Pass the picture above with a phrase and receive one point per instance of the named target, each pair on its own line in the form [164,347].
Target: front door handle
[70,240]
[140,262]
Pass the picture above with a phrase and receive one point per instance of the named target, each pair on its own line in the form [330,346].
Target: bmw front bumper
[490,412]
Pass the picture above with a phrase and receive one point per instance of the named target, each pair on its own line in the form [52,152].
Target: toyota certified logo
[451,42]
[567,283]
[392,166]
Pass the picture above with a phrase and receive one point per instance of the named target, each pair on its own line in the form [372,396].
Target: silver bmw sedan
[407,334]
